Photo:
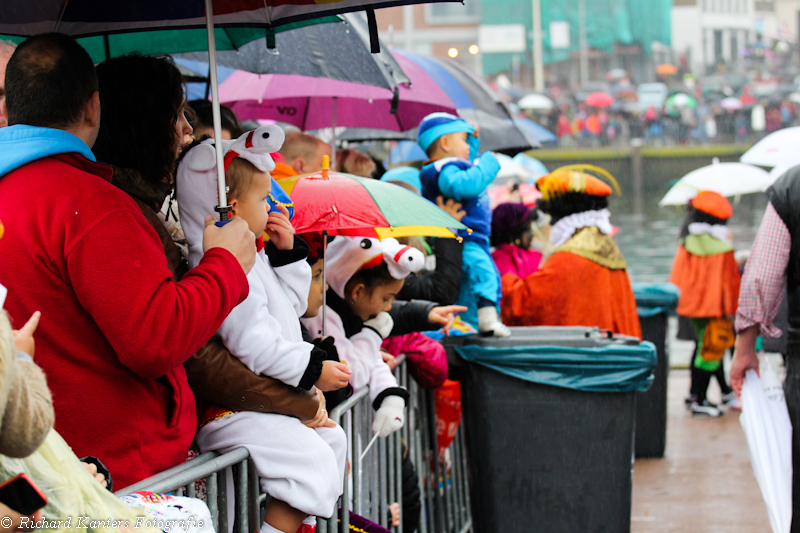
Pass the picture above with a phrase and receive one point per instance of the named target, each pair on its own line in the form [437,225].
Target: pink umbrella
[313,103]
[731,104]
[599,100]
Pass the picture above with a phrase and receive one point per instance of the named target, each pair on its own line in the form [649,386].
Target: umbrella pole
[333,129]
[223,208]
[324,278]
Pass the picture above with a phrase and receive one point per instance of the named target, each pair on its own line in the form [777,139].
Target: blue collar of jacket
[21,144]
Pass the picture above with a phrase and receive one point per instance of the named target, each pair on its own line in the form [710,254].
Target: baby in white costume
[299,466]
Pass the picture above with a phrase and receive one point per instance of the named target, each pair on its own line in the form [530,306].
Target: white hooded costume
[300,466]
[361,350]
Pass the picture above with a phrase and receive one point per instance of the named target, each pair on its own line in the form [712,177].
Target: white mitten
[382,324]
[390,417]
[489,323]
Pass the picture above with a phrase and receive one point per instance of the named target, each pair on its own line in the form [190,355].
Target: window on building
[718,46]
[452,12]
[734,45]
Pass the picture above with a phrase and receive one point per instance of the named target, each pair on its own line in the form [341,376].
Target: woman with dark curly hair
[142,129]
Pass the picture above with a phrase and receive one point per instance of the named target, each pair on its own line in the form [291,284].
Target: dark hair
[49,80]
[371,278]
[695,215]
[511,235]
[205,117]
[564,205]
[140,102]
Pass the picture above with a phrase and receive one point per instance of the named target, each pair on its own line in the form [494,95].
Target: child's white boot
[489,324]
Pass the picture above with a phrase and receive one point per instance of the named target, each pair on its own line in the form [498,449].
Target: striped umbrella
[342,204]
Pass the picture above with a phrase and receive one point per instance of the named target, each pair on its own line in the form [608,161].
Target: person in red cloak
[585,282]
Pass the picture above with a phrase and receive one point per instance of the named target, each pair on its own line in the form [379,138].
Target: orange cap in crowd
[712,203]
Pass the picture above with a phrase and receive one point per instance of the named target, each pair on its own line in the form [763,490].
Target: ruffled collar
[567,226]
[718,231]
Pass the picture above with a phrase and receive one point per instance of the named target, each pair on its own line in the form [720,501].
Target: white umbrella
[727,179]
[535,101]
[731,103]
[510,170]
[768,429]
[781,148]
[794,98]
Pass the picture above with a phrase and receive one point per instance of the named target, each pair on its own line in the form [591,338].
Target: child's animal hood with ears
[196,180]
[348,255]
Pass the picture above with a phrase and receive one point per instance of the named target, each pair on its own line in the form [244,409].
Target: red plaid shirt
[765,275]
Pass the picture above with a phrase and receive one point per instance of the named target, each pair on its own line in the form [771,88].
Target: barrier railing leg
[211,499]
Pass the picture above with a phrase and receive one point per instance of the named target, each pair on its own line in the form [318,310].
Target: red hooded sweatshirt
[115,328]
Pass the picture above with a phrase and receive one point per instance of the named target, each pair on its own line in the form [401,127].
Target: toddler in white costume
[364,276]
[299,466]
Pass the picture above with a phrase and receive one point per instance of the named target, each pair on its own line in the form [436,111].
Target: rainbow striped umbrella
[342,204]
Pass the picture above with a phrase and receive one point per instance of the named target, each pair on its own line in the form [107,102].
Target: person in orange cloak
[707,274]
[584,282]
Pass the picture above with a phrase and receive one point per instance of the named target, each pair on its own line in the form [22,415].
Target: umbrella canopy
[616,74]
[339,51]
[83,18]
[665,69]
[599,100]
[535,101]
[475,101]
[681,100]
[313,103]
[727,179]
[534,166]
[535,131]
[405,152]
[776,149]
[731,104]
[342,204]
[794,98]
[158,41]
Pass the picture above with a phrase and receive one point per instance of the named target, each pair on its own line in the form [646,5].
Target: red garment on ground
[571,290]
[115,328]
[709,284]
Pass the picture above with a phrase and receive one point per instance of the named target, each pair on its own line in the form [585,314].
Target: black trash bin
[655,302]
[549,419]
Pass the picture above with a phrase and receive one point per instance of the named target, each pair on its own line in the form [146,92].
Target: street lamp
[473,49]
[453,52]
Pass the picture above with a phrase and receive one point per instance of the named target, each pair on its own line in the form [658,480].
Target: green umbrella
[174,41]
[679,101]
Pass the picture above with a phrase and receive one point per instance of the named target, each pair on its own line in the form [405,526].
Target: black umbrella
[337,50]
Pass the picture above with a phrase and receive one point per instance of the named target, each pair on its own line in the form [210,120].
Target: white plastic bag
[766,424]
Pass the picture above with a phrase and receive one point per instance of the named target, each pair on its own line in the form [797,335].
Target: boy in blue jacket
[451,144]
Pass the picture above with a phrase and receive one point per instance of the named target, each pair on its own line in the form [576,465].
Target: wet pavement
[705,483]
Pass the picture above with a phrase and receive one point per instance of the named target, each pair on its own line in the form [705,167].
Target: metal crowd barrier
[372,484]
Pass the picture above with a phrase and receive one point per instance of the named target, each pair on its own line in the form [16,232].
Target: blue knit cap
[408,175]
[437,124]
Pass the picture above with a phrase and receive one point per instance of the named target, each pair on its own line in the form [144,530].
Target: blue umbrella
[537,131]
[532,165]
[404,152]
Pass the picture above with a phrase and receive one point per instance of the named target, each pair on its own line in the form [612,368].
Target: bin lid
[578,358]
[577,336]
[655,298]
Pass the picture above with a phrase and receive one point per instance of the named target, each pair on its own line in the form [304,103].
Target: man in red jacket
[115,327]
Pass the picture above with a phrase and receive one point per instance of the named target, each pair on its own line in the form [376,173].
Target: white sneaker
[489,323]
[705,410]
[731,401]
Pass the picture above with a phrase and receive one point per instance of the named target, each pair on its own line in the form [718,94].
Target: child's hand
[394,510]
[445,316]
[280,229]
[92,469]
[321,418]
[23,338]
[451,207]
[389,359]
[334,376]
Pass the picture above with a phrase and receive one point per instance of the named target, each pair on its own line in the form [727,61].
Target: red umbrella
[599,100]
